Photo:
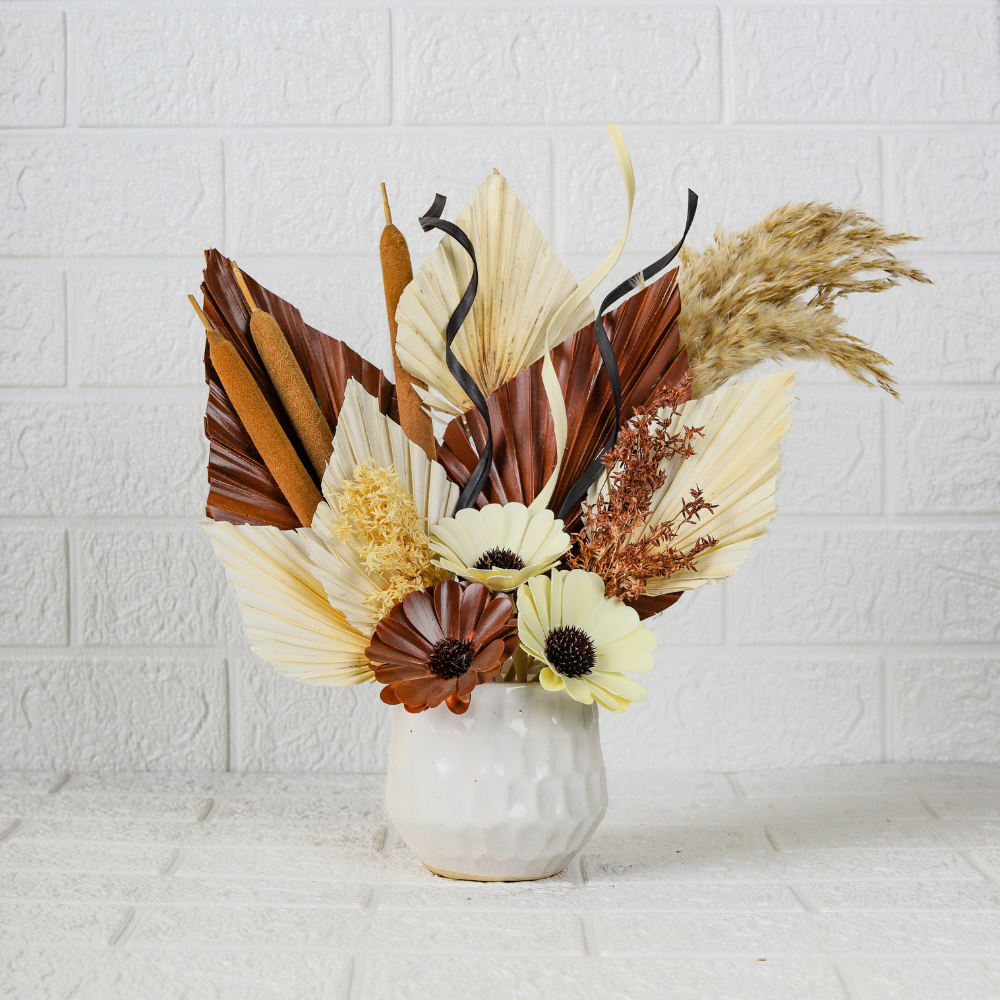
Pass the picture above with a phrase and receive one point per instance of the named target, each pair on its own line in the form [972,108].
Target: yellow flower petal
[578,690]
[529,628]
[618,685]
[632,663]
[550,680]
[515,524]
[576,593]
[609,701]
[476,529]
[496,526]
[617,624]
[540,588]
[536,535]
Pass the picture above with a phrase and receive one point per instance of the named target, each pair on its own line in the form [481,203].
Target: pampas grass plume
[770,292]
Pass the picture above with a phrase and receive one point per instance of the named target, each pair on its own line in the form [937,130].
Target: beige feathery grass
[770,292]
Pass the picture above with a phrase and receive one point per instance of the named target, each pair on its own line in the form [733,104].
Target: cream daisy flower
[500,545]
[585,639]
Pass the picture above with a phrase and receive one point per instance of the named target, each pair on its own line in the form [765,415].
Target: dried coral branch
[770,293]
[616,542]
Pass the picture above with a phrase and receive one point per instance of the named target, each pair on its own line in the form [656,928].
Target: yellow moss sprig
[379,515]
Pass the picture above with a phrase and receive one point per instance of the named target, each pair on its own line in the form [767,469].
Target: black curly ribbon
[579,489]
[431,219]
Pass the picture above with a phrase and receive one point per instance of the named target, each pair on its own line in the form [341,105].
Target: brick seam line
[357,983]
[973,857]
[60,783]
[844,974]
[132,917]
[10,830]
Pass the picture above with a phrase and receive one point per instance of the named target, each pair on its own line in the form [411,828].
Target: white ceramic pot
[511,790]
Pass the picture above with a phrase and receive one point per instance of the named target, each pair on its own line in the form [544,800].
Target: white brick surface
[410,977]
[729,715]
[32,68]
[474,67]
[153,588]
[104,198]
[133,136]
[32,329]
[869,586]
[831,459]
[849,896]
[947,709]
[55,923]
[98,459]
[848,64]
[33,580]
[106,713]
[136,328]
[945,332]
[280,67]
[920,979]
[947,456]
[110,907]
[946,190]
[222,975]
[698,619]
[285,726]
[735,178]
[319,196]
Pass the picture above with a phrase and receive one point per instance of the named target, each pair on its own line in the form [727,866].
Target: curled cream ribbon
[561,316]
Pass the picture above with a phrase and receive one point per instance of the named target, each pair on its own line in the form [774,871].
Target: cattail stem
[261,424]
[385,206]
[397,273]
[289,382]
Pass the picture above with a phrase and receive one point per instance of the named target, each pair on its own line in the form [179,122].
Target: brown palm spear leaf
[241,489]
[644,334]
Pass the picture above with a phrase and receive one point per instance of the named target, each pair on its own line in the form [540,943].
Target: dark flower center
[499,559]
[570,651]
[450,658]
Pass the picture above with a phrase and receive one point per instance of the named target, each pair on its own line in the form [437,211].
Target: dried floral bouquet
[595,466]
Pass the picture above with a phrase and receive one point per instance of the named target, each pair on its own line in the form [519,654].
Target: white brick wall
[865,627]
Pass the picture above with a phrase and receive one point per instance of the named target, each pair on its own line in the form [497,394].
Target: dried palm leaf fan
[241,488]
[644,336]
[521,285]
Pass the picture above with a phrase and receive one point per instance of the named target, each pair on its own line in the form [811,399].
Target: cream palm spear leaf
[286,614]
[521,284]
[735,465]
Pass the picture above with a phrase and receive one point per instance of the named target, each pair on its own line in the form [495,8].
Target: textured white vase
[510,790]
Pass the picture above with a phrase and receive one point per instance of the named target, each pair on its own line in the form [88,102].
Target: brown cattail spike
[261,424]
[289,382]
[397,273]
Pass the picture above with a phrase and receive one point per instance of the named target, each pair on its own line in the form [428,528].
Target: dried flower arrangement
[596,465]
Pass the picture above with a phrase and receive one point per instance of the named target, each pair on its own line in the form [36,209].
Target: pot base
[487,878]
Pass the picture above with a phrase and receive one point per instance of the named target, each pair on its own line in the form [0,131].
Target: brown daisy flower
[437,645]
